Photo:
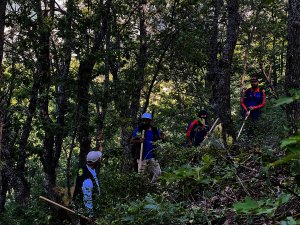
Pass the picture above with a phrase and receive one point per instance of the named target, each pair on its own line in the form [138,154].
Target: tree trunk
[14,167]
[3,185]
[3,189]
[292,78]
[84,78]
[138,84]
[18,181]
[62,95]
[63,76]
[68,168]
[2,26]
[213,48]
[49,157]
[222,70]
[101,107]
[141,63]
[248,46]
[7,169]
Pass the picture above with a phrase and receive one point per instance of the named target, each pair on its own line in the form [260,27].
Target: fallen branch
[68,210]
[241,182]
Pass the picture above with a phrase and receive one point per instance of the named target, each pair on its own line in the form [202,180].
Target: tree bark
[2,26]
[3,190]
[3,182]
[8,141]
[83,98]
[68,168]
[62,95]
[101,107]
[19,181]
[139,76]
[138,84]
[292,77]
[213,47]
[84,79]
[63,76]
[220,69]
[49,157]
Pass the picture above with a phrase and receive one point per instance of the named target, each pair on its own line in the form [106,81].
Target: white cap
[93,156]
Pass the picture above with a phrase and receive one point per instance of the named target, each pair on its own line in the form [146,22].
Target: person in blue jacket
[253,99]
[152,134]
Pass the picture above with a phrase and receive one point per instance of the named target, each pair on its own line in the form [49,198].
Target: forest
[76,76]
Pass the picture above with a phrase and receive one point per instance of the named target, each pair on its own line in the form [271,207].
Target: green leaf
[268,1]
[248,205]
[290,141]
[285,159]
[283,198]
[205,181]
[207,159]
[128,218]
[152,207]
[289,221]
[283,100]
[268,211]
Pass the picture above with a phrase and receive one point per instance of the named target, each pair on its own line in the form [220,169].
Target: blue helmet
[147,116]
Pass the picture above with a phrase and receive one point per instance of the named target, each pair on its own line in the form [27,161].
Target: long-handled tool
[197,155]
[141,153]
[68,210]
[242,126]
[211,129]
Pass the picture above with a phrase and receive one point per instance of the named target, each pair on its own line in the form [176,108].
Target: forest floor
[212,185]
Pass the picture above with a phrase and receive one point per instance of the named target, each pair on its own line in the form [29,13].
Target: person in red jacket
[197,129]
[253,99]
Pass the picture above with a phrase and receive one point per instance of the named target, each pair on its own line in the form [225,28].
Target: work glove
[248,113]
[142,140]
[203,127]
[138,140]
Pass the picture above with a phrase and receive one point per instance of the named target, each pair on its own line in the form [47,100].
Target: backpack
[198,132]
[82,174]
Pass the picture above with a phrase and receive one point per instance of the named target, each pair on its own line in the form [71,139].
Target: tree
[220,69]
[3,184]
[137,79]
[88,60]
[292,78]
